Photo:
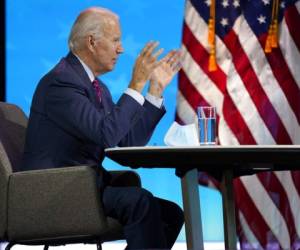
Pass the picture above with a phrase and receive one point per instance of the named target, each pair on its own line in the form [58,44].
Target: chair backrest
[13,123]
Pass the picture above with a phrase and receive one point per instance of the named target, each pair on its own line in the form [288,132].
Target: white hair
[89,22]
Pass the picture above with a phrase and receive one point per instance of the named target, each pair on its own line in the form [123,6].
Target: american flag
[257,96]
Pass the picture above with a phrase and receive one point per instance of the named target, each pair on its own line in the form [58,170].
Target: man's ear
[90,43]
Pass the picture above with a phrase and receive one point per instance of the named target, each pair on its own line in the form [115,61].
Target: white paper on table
[182,135]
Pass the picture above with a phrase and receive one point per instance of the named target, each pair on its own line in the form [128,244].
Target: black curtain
[2,50]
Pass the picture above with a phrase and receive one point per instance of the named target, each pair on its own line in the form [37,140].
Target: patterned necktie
[97,89]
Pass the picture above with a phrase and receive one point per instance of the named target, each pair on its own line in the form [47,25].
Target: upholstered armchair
[52,206]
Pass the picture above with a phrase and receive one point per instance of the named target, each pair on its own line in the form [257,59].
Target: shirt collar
[87,69]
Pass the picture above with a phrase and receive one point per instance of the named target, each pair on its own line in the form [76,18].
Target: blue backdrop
[37,32]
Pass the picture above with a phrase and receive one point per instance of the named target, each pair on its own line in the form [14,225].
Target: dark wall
[2,50]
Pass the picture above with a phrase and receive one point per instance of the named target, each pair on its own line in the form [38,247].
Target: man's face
[108,47]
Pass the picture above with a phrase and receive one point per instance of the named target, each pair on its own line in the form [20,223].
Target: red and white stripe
[261,106]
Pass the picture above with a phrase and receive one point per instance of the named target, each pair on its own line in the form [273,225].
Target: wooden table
[223,162]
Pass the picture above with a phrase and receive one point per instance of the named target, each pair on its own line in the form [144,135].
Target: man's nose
[120,49]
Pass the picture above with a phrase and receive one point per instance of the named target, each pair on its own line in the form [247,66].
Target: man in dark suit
[73,119]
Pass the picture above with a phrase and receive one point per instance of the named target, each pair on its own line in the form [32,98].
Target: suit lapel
[79,70]
[106,102]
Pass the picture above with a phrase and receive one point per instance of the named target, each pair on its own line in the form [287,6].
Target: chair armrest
[125,178]
[54,202]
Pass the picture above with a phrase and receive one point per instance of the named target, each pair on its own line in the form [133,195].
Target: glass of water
[207,125]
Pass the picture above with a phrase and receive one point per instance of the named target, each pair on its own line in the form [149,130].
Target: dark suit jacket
[68,126]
